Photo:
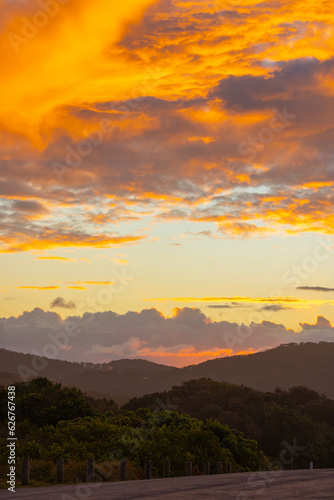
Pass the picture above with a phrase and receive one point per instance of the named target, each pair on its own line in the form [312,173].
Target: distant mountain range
[307,364]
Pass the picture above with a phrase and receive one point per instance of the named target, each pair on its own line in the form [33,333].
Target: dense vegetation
[277,420]
[42,402]
[53,422]
[194,421]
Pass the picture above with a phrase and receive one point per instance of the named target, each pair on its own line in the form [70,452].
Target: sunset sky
[168,165]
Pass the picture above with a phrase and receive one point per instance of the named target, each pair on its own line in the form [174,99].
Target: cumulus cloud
[187,337]
[60,302]
[322,323]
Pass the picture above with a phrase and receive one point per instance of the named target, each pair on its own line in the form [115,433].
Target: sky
[166,174]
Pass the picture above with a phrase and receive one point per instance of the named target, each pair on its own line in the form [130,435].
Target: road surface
[282,485]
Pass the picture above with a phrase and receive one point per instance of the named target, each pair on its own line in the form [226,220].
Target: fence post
[123,470]
[90,470]
[229,468]
[311,465]
[60,470]
[25,471]
[219,467]
[147,469]
[166,468]
[189,468]
[206,468]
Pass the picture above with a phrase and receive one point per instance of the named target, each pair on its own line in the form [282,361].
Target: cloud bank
[188,337]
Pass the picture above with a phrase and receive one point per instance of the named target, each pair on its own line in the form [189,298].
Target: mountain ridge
[308,364]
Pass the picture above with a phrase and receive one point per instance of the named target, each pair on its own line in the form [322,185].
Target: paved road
[282,485]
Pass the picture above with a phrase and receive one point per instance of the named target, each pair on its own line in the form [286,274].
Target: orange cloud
[9,245]
[82,74]
[295,301]
[188,93]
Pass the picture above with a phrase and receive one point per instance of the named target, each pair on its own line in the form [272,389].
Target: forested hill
[308,364]
[299,416]
[293,427]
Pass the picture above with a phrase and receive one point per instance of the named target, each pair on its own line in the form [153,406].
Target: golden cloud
[295,301]
[38,287]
